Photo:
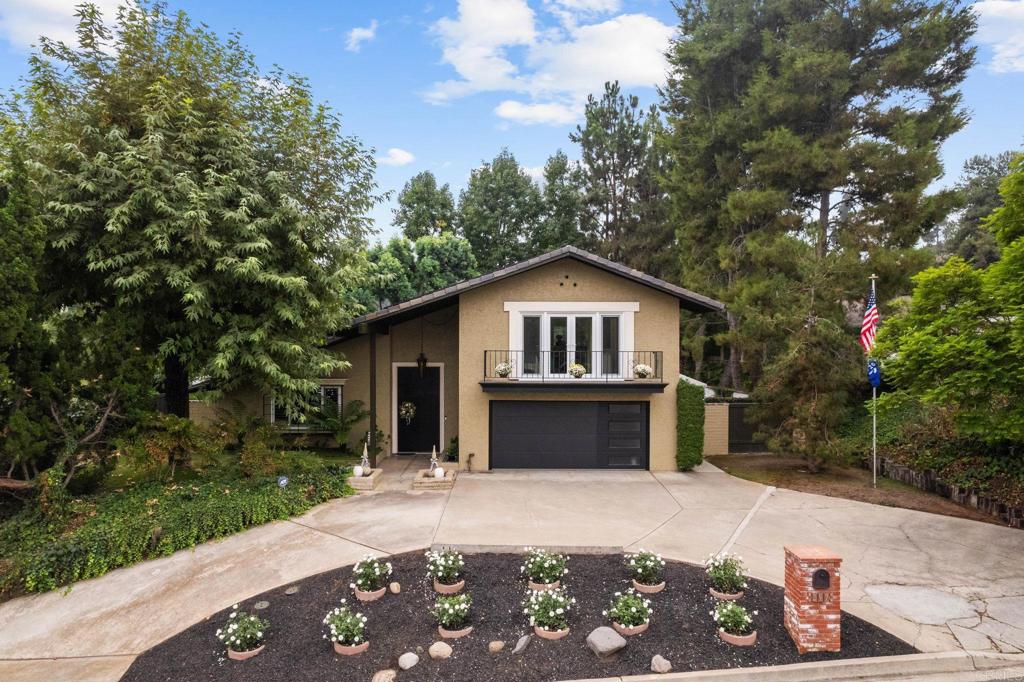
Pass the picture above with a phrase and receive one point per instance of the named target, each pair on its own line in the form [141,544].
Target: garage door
[568,435]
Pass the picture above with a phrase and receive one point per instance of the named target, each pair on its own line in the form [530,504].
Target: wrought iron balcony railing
[565,365]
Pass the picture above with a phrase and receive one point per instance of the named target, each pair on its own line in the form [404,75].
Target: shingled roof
[687,299]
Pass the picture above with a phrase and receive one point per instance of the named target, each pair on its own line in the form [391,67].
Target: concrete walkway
[940,583]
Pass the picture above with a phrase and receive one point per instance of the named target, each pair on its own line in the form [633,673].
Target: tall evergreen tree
[424,208]
[963,234]
[499,211]
[220,203]
[621,164]
[800,123]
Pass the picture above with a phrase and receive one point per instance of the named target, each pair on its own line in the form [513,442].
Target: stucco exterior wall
[716,428]
[484,325]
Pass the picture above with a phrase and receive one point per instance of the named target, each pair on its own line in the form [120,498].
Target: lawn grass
[852,483]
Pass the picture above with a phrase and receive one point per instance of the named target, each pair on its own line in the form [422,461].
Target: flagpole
[874,411]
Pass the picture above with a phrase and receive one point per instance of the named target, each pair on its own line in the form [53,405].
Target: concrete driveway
[940,583]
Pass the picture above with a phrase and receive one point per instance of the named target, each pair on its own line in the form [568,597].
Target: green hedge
[689,425]
[114,529]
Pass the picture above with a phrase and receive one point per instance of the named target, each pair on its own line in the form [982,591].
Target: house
[492,360]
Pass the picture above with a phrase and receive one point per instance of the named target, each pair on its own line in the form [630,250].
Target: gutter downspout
[372,437]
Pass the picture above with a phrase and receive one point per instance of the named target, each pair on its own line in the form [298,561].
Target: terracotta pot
[454,588]
[540,587]
[549,634]
[738,640]
[725,596]
[626,630]
[243,655]
[648,589]
[351,650]
[454,634]
[370,596]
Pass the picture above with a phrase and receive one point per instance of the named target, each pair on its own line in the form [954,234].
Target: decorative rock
[440,650]
[659,664]
[408,660]
[388,675]
[521,645]
[395,588]
[495,646]
[260,605]
[604,641]
[292,590]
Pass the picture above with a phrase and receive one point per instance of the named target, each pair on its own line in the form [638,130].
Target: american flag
[870,324]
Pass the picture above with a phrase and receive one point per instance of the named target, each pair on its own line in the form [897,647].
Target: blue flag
[874,373]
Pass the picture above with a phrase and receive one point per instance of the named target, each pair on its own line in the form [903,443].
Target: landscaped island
[681,629]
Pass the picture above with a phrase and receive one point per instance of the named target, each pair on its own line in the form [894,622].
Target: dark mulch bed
[681,630]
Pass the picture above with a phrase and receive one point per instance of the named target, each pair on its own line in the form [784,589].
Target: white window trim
[394,405]
[305,427]
[625,311]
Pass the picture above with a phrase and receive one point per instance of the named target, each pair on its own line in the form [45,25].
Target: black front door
[422,430]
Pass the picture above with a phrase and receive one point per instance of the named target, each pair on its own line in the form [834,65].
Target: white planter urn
[357,471]
[439,472]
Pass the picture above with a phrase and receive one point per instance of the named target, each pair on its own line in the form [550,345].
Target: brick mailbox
[812,598]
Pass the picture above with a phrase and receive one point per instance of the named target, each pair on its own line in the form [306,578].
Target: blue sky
[443,85]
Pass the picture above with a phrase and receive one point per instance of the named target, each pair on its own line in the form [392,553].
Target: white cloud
[530,114]
[23,21]
[502,46]
[536,173]
[359,35]
[396,157]
[1001,27]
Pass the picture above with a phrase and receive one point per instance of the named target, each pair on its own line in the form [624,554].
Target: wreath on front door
[407,411]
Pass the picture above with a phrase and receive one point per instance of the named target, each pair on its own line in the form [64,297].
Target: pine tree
[219,202]
[565,219]
[963,234]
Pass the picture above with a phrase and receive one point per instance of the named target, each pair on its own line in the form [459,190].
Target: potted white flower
[243,634]
[369,578]
[504,369]
[548,611]
[735,625]
[577,370]
[643,371]
[647,571]
[452,615]
[727,577]
[346,630]
[445,567]
[629,613]
[543,570]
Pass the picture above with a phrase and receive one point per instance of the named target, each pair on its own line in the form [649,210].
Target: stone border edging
[879,667]
[518,549]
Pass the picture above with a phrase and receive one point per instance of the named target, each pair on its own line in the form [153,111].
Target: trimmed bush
[689,425]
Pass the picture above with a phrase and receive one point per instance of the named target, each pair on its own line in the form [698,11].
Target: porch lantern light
[421,362]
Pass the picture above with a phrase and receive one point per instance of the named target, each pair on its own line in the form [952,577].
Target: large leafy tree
[565,219]
[963,234]
[401,269]
[621,161]
[960,345]
[424,208]
[808,130]
[182,185]
[499,211]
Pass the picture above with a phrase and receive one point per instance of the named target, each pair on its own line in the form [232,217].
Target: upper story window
[547,338]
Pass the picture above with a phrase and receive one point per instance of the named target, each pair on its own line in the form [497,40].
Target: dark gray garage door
[568,435]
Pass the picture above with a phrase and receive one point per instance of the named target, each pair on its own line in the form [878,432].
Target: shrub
[732,618]
[452,612]
[97,534]
[345,627]
[689,425]
[445,566]
[542,567]
[548,609]
[645,567]
[726,573]
[259,455]
[243,632]
[629,609]
[370,574]
[165,442]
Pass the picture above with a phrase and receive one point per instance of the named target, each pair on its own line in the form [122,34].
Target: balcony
[637,371]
